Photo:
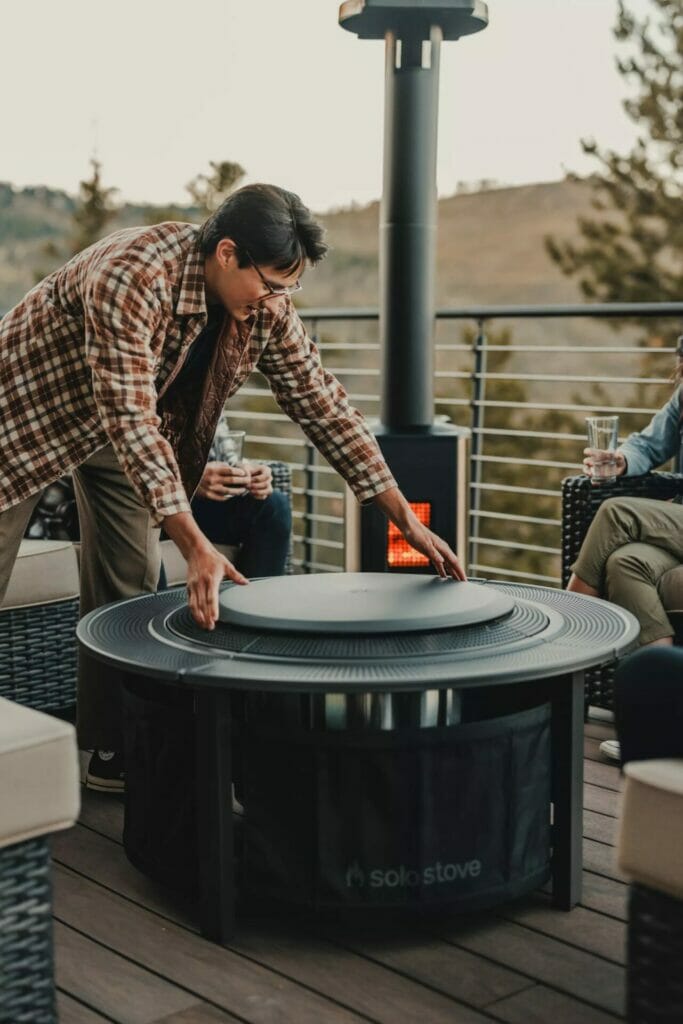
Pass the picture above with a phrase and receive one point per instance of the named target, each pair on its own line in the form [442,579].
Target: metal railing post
[477,425]
[309,485]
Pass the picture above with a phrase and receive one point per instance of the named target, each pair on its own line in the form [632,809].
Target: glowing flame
[399,551]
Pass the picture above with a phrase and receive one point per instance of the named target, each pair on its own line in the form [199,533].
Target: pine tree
[209,190]
[633,251]
[91,217]
[94,212]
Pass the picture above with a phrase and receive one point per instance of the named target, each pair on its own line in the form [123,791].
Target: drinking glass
[603,440]
[232,447]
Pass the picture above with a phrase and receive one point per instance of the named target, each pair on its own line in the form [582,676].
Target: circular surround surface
[360,602]
[547,633]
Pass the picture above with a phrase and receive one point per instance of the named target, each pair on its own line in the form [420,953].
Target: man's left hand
[419,536]
[261,482]
[428,543]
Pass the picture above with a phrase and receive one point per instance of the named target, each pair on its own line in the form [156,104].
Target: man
[116,368]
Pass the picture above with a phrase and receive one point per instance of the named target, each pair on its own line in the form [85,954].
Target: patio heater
[428,458]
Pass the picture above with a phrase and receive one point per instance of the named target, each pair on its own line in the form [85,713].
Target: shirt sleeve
[317,401]
[657,443]
[122,313]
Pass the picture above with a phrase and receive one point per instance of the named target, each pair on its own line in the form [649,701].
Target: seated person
[633,542]
[649,704]
[248,512]
[238,505]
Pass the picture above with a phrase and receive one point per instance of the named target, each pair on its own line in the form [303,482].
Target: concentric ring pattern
[548,633]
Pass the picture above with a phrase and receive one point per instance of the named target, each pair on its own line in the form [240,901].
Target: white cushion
[651,828]
[45,571]
[39,785]
[176,566]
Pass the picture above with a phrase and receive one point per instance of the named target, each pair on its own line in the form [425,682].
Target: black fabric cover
[455,816]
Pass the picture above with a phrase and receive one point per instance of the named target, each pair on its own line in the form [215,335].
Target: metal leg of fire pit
[215,841]
[567,789]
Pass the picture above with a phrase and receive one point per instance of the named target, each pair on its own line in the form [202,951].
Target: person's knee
[612,511]
[277,510]
[624,564]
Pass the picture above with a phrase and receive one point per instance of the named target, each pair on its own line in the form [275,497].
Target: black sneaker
[105,772]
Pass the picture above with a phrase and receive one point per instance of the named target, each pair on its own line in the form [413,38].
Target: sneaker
[105,772]
[611,750]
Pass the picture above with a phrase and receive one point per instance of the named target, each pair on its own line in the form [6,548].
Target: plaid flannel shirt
[90,353]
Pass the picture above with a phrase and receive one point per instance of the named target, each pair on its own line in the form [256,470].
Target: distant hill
[490,248]
[33,218]
[490,245]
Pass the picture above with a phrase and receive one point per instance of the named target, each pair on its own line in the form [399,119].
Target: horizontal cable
[596,310]
[518,546]
[559,378]
[317,493]
[574,349]
[316,542]
[315,517]
[511,489]
[511,460]
[537,520]
[549,406]
[319,566]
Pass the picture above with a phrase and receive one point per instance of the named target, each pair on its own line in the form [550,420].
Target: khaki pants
[119,558]
[630,545]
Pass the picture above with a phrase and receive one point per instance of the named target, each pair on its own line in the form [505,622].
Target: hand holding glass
[603,463]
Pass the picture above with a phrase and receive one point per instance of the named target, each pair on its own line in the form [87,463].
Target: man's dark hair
[270,224]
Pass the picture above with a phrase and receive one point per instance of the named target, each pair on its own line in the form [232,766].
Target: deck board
[128,951]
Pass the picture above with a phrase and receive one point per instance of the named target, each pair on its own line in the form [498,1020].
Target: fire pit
[353,646]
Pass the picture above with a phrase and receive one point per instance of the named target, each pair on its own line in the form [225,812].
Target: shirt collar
[192,299]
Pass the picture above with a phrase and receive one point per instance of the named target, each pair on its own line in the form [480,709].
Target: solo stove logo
[402,877]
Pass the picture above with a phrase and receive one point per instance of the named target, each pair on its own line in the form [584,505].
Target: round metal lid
[360,602]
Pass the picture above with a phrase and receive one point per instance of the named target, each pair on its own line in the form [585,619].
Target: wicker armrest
[581,499]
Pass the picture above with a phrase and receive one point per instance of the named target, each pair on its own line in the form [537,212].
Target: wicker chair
[648,853]
[581,499]
[39,794]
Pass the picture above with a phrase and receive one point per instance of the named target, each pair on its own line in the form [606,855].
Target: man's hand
[594,456]
[419,536]
[206,567]
[261,482]
[220,481]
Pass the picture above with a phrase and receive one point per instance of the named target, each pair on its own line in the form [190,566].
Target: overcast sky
[157,88]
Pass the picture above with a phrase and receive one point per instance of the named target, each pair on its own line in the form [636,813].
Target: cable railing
[521,378]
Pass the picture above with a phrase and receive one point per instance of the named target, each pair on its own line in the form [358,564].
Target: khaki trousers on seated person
[119,559]
[630,545]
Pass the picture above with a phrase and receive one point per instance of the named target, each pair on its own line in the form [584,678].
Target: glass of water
[603,440]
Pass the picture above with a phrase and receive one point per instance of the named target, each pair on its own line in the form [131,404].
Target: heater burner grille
[523,622]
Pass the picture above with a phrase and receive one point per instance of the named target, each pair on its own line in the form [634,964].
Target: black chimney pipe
[412,31]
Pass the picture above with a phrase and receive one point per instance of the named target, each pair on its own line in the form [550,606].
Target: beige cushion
[176,566]
[45,571]
[650,842]
[39,788]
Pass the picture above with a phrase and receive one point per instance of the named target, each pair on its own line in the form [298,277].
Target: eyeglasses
[273,289]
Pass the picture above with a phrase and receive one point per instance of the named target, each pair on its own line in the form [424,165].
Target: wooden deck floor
[127,952]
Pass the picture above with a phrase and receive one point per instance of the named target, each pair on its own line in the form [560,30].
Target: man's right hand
[206,567]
